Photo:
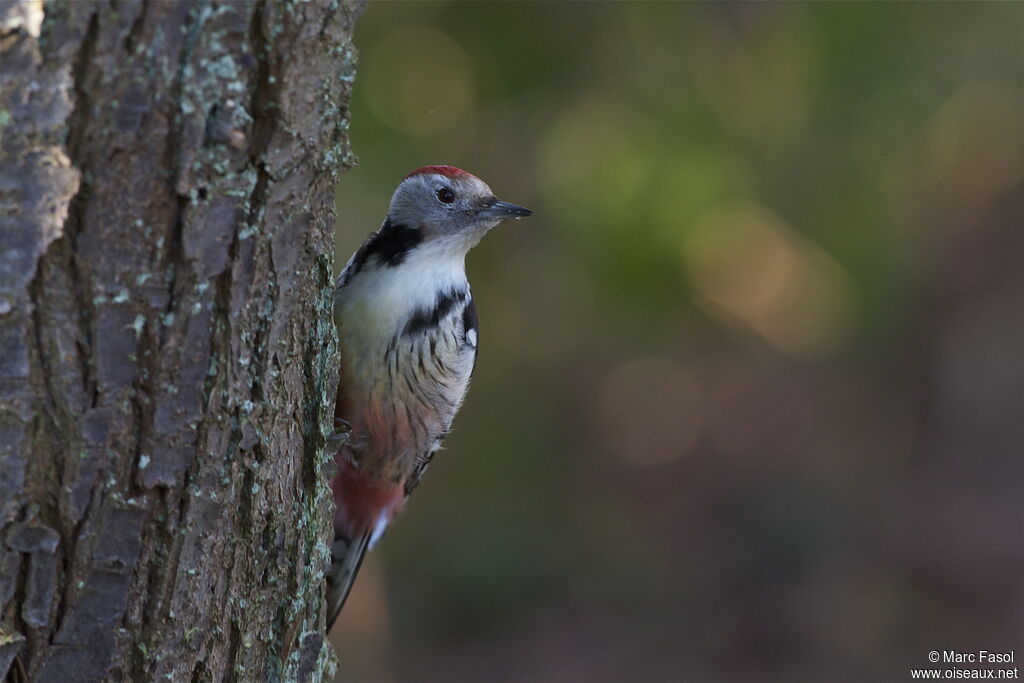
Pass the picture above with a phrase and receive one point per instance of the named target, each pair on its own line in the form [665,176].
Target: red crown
[449,171]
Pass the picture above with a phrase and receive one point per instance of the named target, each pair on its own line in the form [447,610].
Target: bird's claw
[342,431]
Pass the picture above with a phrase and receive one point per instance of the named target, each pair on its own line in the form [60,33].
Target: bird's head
[448,204]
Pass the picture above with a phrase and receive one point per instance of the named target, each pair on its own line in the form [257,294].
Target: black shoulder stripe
[390,244]
[423,320]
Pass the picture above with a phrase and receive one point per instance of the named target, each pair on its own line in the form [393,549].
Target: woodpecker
[407,328]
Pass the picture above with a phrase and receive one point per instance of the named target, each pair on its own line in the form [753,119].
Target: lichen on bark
[166,347]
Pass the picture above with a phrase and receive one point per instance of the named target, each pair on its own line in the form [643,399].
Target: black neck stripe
[390,245]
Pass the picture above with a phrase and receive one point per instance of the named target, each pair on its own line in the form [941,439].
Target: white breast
[403,390]
[375,305]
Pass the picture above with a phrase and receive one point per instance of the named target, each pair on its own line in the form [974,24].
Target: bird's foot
[342,432]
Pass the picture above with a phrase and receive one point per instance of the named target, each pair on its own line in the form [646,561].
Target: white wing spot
[471,338]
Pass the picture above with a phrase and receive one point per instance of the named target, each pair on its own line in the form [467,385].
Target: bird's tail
[346,558]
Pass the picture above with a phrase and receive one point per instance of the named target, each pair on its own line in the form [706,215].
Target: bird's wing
[468,344]
[419,469]
[346,558]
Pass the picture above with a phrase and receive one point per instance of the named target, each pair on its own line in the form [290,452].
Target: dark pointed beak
[503,210]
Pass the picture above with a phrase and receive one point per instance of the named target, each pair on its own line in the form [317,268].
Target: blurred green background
[749,404]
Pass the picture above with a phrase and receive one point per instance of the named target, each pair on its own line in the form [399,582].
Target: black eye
[445,195]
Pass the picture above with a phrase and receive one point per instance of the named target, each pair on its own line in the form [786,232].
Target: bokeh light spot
[976,141]
[747,264]
[590,141]
[419,96]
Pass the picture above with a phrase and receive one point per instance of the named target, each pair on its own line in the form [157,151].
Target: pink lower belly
[363,505]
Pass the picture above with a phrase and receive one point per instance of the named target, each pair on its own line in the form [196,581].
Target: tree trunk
[167,356]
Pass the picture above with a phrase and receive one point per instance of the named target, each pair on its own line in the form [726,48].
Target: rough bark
[166,347]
